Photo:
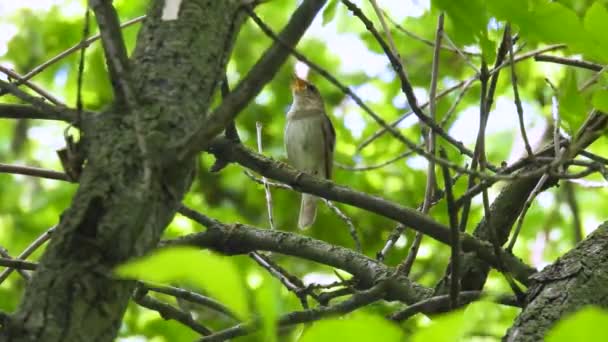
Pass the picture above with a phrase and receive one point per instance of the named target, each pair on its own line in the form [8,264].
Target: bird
[310,140]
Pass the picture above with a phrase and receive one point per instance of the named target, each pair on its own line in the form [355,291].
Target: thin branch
[20,111]
[461,54]
[167,312]
[191,297]
[517,59]
[574,208]
[448,115]
[380,132]
[230,132]
[454,236]
[374,167]
[57,113]
[358,300]
[351,226]
[268,194]
[272,184]
[424,40]
[28,251]
[537,189]
[486,99]
[527,55]
[406,86]
[520,109]
[431,182]
[20,80]
[115,51]
[85,33]
[387,31]
[5,255]
[73,49]
[33,171]
[438,303]
[292,283]
[569,61]
[16,263]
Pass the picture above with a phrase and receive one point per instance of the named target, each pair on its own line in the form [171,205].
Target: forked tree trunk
[120,210]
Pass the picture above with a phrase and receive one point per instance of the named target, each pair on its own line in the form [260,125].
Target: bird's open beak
[298,84]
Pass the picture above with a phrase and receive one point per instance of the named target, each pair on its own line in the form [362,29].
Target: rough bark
[577,279]
[121,209]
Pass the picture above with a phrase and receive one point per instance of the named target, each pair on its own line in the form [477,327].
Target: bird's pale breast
[305,143]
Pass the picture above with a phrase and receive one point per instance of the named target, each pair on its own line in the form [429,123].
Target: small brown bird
[310,140]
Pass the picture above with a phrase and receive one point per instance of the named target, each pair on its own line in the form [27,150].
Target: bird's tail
[308,211]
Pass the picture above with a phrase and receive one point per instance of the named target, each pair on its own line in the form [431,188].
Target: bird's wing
[329,137]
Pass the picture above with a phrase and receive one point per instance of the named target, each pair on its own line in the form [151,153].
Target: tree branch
[329,190]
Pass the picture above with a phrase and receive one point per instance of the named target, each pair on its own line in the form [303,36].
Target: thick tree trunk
[577,279]
[126,198]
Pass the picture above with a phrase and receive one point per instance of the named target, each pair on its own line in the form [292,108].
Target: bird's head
[305,94]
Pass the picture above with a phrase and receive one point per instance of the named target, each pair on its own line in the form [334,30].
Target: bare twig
[559,151]
[268,195]
[351,227]
[568,61]
[272,184]
[191,297]
[374,167]
[4,254]
[387,31]
[358,300]
[230,132]
[424,40]
[437,303]
[431,182]
[115,52]
[85,33]
[406,86]
[56,113]
[71,50]
[21,80]
[167,311]
[454,236]
[520,110]
[394,123]
[517,59]
[20,111]
[461,54]
[28,251]
[16,263]
[33,171]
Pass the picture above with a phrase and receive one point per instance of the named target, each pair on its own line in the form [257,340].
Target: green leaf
[357,327]
[572,106]
[553,23]
[596,26]
[600,100]
[330,11]
[581,326]
[515,11]
[215,274]
[267,303]
[449,327]
[469,17]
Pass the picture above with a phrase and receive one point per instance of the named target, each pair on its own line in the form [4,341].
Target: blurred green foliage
[29,206]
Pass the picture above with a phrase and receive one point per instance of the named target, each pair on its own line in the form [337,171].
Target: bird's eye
[312,88]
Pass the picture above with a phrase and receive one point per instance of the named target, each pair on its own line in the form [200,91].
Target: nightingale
[309,141]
